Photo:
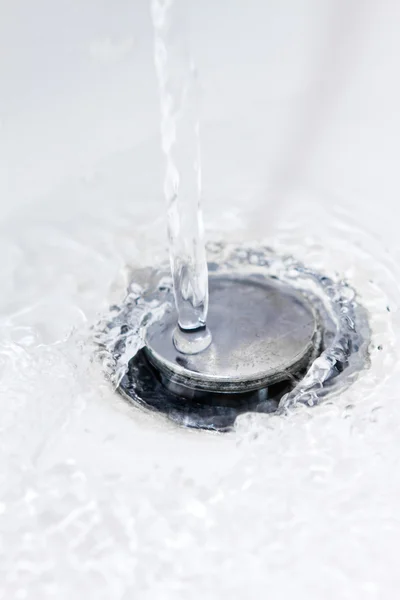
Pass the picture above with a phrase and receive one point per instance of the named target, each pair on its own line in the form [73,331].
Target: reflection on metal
[263,332]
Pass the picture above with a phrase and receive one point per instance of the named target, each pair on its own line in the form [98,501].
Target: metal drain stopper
[262,333]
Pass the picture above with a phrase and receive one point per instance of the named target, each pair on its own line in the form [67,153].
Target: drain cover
[262,332]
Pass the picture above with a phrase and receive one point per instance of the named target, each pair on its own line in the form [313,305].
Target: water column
[177,79]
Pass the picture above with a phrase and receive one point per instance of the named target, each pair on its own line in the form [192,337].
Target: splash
[342,355]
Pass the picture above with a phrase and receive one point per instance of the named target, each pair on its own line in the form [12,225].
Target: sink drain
[262,331]
[282,335]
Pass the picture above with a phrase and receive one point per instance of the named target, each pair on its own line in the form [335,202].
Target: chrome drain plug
[263,333]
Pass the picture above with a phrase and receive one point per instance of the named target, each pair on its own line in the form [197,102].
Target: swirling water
[102,500]
[341,346]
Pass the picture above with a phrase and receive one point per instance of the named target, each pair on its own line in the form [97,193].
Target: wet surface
[101,497]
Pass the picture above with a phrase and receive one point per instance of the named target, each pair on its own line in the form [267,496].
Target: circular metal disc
[262,332]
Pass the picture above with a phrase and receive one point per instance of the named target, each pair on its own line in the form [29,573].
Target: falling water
[177,78]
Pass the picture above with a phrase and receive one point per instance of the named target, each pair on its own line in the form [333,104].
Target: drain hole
[340,350]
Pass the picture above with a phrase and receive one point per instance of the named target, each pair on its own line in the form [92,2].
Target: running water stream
[177,78]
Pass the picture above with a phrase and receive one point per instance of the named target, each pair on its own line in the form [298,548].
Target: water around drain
[339,354]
